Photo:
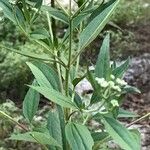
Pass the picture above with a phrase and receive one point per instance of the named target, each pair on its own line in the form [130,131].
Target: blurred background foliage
[130,17]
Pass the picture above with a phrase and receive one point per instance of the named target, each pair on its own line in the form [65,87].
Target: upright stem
[70,50]
[53,21]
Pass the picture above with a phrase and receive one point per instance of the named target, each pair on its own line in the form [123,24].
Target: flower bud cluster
[114,86]
[114,83]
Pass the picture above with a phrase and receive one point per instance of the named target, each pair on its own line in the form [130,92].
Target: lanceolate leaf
[40,77]
[120,134]
[30,103]
[119,71]
[7,10]
[131,89]
[12,13]
[55,97]
[49,73]
[126,114]
[102,69]
[96,25]
[40,34]
[53,125]
[136,134]
[41,138]
[78,137]
[28,54]
[57,14]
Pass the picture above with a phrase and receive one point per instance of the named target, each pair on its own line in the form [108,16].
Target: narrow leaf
[49,73]
[30,103]
[120,134]
[136,134]
[99,136]
[55,97]
[78,137]
[28,54]
[56,13]
[119,71]
[40,77]
[124,113]
[102,69]
[53,125]
[41,138]
[131,89]
[40,34]
[96,25]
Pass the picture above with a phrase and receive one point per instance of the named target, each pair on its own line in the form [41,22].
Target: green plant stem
[141,118]
[50,26]
[59,74]
[69,59]
[70,50]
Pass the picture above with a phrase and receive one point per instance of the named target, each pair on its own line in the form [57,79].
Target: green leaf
[55,97]
[38,74]
[119,71]
[96,25]
[56,13]
[126,114]
[131,89]
[99,136]
[30,103]
[49,73]
[28,54]
[75,23]
[62,125]
[78,137]
[77,80]
[136,134]
[102,69]
[120,134]
[13,13]
[40,34]
[53,125]
[7,10]
[37,137]
[77,99]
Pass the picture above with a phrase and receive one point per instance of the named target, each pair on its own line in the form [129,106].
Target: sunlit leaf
[96,25]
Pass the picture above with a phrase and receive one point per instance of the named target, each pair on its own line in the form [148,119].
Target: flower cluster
[114,86]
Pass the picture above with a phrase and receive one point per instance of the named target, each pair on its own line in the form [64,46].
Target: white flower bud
[121,82]
[111,84]
[102,82]
[114,103]
[112,76]
[117,88]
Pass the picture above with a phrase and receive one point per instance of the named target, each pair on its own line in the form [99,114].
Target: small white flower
[91,68]
[114,103]
[121,82]
[117,88]
[112,76]
[111,84]
[102,82]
